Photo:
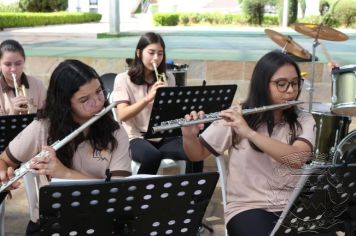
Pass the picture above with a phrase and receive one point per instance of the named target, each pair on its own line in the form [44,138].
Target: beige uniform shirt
[36,93]
[127,92]
[254,179]
[86,160]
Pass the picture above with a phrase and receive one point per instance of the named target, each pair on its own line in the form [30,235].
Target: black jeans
[33,229]
[150,154]
[256,222]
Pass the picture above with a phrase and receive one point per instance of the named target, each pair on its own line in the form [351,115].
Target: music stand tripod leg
[204,226]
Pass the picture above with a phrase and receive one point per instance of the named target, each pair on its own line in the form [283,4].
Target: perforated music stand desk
[11,126]
[175,102]
[164,205]
[323,201]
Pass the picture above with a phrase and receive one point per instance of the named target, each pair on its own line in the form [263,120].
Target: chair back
[108,80]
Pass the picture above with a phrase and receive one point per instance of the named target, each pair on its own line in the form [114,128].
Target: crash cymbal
[319,31]
[288,44]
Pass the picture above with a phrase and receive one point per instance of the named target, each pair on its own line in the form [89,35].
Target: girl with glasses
[135,91]
[31,92]
[264,149]
[74,96]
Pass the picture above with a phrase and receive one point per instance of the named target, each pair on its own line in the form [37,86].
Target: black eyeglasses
[283,85]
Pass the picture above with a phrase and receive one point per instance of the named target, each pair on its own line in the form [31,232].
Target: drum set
[334,143]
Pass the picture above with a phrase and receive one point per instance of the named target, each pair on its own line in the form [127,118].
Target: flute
[25,168]
[210,117]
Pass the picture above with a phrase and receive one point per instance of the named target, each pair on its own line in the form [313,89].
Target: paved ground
[190,43]
[203,43]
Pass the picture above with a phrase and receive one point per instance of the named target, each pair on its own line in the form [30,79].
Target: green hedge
[10,19]
[173,19]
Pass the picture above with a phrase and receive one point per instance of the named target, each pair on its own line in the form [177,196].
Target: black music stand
[164,205]
[175,102]
[324,201]
[11,126]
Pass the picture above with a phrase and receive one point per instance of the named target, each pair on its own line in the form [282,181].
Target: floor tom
[330,130]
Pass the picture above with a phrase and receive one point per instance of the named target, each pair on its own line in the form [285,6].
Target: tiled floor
[17,216]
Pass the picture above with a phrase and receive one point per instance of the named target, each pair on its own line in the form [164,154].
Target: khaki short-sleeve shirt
[36,94]
[127,92]
[254,179]
[86,159]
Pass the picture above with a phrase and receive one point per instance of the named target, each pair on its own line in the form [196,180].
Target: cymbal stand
[311,88]
[284,49]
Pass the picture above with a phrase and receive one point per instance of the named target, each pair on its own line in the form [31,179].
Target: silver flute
[25,168]
[210,117]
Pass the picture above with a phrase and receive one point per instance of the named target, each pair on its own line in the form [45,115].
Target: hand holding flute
[48,164]
[9,177]
[233,117]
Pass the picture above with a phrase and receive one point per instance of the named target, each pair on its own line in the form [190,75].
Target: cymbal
[319,31]
[288,44]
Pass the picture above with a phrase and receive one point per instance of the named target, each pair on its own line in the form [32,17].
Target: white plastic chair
[220,163]
[165,163]
[2,218]
[114,109]
[31,183]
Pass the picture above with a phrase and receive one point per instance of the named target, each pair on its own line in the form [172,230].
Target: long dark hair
[136,71]
[65,80]
[11,45]
[259,94]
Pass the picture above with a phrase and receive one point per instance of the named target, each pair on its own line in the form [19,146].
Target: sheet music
[142,176]
[59,180]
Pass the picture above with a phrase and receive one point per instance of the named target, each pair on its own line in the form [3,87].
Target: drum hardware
[24,169]
[317,31]
[333,95]
[345,145]
[178,123]
[288,44]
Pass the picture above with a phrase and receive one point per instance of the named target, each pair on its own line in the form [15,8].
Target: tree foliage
[43,5]
[303,7]
[254,10]
[345,11]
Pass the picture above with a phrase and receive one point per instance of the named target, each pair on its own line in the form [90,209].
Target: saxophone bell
[159,77]
[19,90]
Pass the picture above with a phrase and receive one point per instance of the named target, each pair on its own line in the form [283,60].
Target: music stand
[323,201]
[163,205]
[11,126]
[175,102]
